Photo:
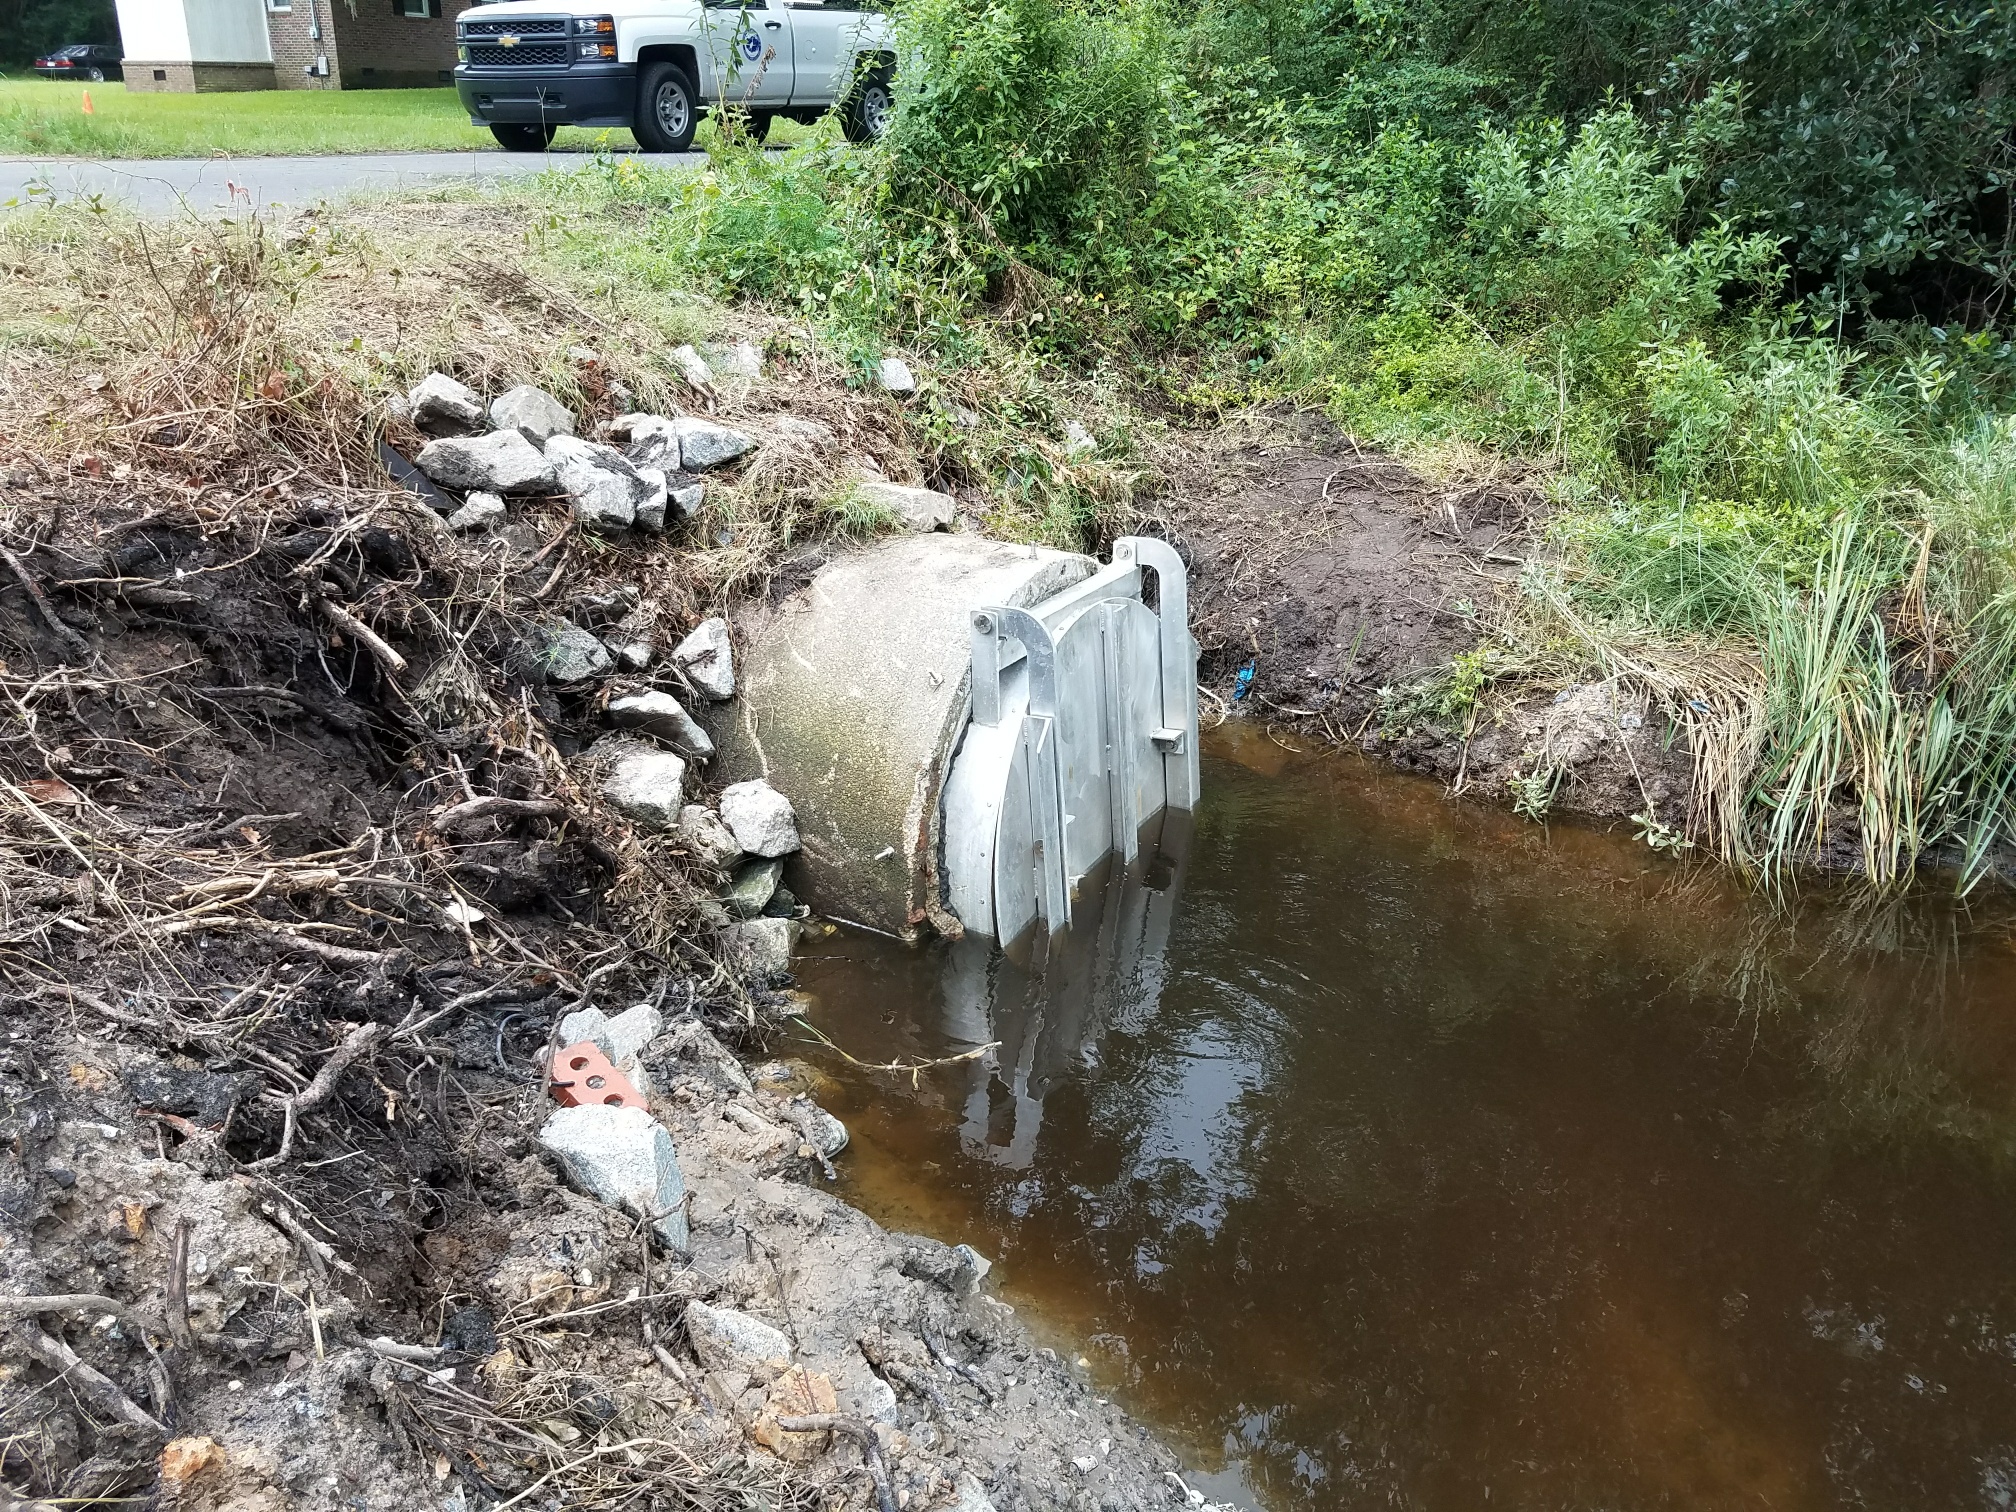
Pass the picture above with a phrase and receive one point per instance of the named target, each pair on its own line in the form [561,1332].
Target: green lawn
[41,118]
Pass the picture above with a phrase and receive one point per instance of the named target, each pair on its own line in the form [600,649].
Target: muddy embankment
[1348,584]
[309,841]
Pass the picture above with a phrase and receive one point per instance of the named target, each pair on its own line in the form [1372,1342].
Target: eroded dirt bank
[1348,585]
[303,857]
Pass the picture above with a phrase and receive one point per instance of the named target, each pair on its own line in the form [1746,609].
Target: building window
[419,10]
[279,5]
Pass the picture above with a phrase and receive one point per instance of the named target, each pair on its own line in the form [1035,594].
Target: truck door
[829,35]
[751,53]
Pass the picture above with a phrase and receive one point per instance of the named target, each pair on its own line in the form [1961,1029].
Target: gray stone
[621,1038]
[918,509]
[656,447]
[741,360]
[707,838]
[760,817]
[828,1133]
[502,462]
[762,947]
[969,1495]
[896,376]
[754,886]
[438,403]
[689,499]
[624,1157]
[693,368]
[533,413]
[728,1340]
[630,1031]
[585,1024]
[558,651]
[478,510]
[708,660]
[633,654]
[605,486]
[969,1269]
[814,434]
[648,787]
[704,445]
[664,717]
[651,510]
[1078,441]
[872,1398]
[638,425]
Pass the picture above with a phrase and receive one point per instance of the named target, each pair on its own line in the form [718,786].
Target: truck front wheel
[668,109]
[523,138]
[865,114]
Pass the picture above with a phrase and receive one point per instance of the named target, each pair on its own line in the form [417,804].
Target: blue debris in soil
[1243,683]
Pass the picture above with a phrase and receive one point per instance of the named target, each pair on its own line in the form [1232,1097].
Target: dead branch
[350,625]
[862,1434]
[321,1254]
[914,1069]
[178,1287]
[317,1092]
[28,1307]
[413,1354]
[62,1359]
[75,644]
[473,811]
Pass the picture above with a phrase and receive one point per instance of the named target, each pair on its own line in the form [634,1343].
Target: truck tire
[668,109]
[866,112]
[524,138]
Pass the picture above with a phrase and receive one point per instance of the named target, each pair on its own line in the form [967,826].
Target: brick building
[189,45]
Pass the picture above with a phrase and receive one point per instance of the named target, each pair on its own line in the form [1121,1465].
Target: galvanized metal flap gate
[1083,728]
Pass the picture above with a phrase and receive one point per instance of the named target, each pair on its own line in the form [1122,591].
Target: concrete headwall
[852,696]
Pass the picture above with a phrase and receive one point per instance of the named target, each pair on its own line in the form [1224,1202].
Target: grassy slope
[40,118]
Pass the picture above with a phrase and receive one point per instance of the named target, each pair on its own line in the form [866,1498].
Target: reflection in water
[1044,1003]
[1418,1157]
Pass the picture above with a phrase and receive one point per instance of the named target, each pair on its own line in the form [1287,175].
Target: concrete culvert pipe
[923,808]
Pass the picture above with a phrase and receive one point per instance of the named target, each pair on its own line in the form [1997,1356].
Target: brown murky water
[1391,1153]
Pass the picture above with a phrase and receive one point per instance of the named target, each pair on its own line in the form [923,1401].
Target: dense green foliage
[1664,251]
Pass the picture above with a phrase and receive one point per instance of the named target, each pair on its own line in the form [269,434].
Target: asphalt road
[207,186]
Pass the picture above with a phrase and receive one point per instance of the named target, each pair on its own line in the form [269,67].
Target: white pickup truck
[526,69]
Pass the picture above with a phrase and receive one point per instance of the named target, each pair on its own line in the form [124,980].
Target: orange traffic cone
[87,103]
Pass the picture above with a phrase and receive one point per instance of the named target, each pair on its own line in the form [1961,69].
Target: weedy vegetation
[1736,277]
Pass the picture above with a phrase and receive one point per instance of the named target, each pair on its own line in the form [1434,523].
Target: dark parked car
[86,60]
